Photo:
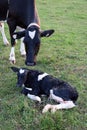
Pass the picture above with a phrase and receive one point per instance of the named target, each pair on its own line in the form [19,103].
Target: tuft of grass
[64,55]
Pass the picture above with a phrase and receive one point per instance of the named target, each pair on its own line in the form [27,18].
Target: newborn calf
[37,83]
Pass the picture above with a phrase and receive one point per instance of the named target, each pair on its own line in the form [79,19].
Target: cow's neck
[33,14]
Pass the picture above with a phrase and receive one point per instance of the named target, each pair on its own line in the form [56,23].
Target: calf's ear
[15,69]
[18,35]
[47,33]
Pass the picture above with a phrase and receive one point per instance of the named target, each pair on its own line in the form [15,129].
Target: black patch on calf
[25,91]
[66,92]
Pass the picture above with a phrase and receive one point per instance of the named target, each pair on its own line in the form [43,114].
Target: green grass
[63,55]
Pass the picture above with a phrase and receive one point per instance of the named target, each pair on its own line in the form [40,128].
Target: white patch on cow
[63,105]
[22,48]
[21,71]
[33,97]
[19,28]
[14,36]
[32,34]
[34,24]
[56,98]
[12,55]
[41,76]
[3,34]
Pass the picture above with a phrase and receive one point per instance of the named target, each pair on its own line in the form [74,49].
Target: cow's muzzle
[30,63]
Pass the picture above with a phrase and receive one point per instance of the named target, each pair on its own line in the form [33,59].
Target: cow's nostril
[30,64]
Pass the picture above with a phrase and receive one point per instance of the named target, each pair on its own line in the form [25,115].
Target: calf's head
[32,39]
[21,75]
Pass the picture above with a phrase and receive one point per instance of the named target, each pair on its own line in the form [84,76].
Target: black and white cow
[23,14]
[37,83]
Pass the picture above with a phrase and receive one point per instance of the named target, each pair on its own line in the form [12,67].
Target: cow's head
[21,75]
[32,39]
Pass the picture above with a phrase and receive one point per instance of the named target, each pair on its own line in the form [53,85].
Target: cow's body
[23,14]
[19,13]
[38,83]
[3,9]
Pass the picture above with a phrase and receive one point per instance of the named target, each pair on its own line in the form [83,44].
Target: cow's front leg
[12,27]
[3,34]
[22,48]
[12,52]
[12,55]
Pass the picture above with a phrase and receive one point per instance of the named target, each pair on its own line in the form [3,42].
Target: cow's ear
[18,35]
[15,69]
[47,33]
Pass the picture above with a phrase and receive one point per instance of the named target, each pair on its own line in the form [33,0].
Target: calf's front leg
[33,97]
[12,55]
[32,94]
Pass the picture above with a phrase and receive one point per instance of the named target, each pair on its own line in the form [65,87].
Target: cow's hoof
[6,44]
[13,62]
[23,55]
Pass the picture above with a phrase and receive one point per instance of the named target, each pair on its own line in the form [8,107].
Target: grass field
[63,55]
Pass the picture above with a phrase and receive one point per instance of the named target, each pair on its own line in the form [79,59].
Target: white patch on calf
[32,34]
[47,108]
[54,97]
[33,97]
[41,76]
[30,89]
[53,108]
[21,71]
[66,105]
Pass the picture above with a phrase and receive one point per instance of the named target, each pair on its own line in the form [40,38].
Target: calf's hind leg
[63,105]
